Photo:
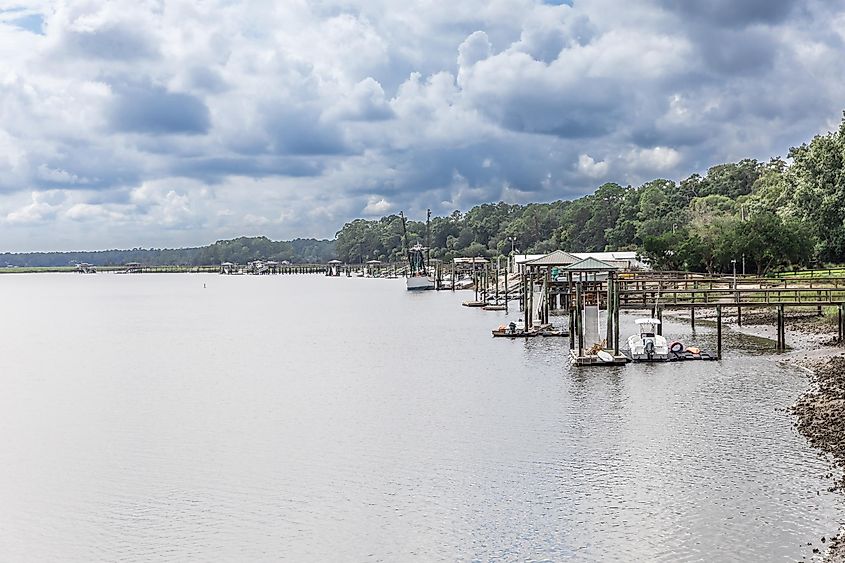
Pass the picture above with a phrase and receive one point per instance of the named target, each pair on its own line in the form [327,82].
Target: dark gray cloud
[216,169]
[737,52]
[115,41]
[207,79]
[154,110]
[299,131]
[732,13]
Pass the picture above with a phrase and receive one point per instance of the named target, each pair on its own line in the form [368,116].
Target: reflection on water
[145,417]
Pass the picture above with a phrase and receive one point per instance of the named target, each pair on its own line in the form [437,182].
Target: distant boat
[418,255]
[418,277]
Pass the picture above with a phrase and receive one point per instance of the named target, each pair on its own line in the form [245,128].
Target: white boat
[418,278]
[415,283]
[648,346]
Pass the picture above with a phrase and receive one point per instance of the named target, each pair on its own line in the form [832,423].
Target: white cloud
[588,166]
[42,206]
[377,206]
[58,175]
[657,159]
[171,126]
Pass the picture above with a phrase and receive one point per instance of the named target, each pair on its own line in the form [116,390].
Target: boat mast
[427,242]
[405,243]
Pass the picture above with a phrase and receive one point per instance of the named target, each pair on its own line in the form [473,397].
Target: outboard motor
[649,349]
[512,327]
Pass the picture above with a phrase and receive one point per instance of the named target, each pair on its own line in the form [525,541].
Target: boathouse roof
[625,259]
[591,265]
[556,258]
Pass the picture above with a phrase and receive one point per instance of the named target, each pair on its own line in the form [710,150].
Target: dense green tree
[817,177]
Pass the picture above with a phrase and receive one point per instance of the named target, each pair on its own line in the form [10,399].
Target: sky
[136,123]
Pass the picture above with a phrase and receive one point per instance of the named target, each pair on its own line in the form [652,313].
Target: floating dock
[685,356]
[594,360]
[545,331]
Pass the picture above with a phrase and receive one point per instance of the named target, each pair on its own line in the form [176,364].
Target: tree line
[776,214]
[240,250]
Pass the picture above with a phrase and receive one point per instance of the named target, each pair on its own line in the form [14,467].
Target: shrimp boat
[648,346]
[418,260]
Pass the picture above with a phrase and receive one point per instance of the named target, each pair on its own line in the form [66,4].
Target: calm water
[308,418]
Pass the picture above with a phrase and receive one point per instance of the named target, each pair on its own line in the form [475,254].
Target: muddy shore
[819,411]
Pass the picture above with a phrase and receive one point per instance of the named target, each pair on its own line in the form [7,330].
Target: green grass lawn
[833,272]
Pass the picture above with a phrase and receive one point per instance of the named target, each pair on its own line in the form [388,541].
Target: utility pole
[733,263]
[513,245]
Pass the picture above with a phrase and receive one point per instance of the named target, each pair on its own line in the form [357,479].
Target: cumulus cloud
[42,207]
[377,206]
[658,159]
[154,110]
[588,166]
[128,123]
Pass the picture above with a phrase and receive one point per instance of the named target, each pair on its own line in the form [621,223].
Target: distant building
[470,263]
[627,260]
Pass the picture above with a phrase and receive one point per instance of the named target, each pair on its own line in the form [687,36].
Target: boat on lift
[647,345]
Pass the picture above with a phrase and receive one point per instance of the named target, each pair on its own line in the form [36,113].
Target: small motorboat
[647,345]
[515,329]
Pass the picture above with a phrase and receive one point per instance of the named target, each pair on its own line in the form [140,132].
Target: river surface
[175,417]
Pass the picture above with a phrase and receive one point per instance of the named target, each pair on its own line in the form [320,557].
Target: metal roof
[607,256]
[591,264]
[556,258]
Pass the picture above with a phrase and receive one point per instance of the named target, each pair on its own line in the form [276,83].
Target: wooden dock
[585,360]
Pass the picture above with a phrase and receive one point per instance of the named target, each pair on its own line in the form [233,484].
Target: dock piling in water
[719,331]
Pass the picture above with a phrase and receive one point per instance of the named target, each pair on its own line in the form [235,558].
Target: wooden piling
[660,318]
[506,291]
[615,318]
[609,337]
[497,284]
[526,308]
[530,307]
[545,303]
[719,331]
[579,317]
[692,318]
